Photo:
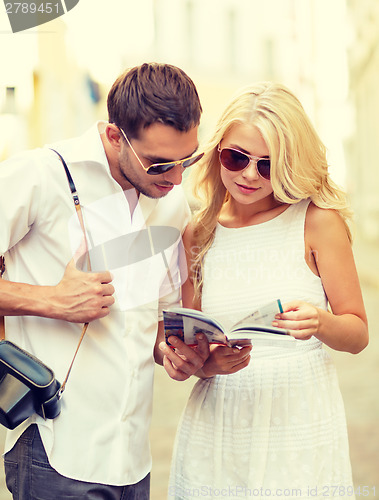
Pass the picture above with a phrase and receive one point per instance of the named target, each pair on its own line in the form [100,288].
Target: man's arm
[181,361]
[79,297]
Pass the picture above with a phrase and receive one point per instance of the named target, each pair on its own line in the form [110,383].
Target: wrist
[322,319]
[205,372]
[46,303]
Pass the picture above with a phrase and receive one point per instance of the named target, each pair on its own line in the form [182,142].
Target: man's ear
[114,136]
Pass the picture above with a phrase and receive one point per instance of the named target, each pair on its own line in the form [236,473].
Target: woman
[272,224]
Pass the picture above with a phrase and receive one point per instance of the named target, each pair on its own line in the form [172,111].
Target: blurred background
[54,81]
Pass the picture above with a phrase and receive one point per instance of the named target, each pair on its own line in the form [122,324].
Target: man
[126,173]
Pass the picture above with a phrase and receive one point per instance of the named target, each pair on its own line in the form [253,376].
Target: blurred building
[227,44]
[64,102]
[44,95]
[222,44]
[363,144]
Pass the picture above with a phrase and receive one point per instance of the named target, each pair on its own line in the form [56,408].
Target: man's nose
[175,175]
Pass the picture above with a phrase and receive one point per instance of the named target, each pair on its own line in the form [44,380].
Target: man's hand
[182,361]
[81,297]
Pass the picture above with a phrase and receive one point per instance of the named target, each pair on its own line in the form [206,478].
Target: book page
[194,326]
[263,317]
[187,327]
[261,338]
[257,329]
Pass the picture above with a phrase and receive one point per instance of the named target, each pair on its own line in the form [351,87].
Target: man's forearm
[79,297]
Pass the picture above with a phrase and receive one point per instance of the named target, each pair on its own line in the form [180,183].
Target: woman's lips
[246,189]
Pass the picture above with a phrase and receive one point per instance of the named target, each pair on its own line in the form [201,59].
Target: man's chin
[156,191]
[163,189]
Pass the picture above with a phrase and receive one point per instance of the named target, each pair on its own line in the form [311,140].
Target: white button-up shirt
[102,433]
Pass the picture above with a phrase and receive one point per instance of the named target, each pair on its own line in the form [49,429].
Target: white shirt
[102,432]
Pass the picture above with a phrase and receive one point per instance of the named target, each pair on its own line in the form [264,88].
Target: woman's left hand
[299,318]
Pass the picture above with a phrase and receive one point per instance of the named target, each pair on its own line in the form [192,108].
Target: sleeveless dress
[278,426]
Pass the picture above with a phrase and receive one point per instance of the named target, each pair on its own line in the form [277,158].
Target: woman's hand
[301,319]
[225,360]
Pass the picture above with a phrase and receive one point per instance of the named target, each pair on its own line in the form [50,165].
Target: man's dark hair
[153,93]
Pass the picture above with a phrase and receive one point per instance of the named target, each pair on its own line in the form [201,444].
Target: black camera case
[27,386]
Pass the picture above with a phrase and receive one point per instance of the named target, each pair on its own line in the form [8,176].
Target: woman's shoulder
[317,215]
[324,223]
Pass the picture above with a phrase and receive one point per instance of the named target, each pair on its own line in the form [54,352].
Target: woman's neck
[239,215]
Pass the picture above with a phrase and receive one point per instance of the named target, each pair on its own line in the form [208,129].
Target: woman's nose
[251,171]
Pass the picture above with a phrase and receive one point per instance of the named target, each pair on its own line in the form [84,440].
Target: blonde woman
[272,224]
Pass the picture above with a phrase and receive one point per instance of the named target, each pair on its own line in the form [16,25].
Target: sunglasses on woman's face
[235,160]
[162,168]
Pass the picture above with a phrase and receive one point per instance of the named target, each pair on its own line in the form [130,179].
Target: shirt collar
[89,148]
[85,148]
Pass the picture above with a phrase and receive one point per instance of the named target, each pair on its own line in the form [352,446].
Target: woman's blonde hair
[299,168]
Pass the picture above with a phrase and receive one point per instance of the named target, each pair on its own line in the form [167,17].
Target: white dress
[277,427]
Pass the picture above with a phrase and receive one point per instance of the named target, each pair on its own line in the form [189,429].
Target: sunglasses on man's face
[162,168]
[234,160]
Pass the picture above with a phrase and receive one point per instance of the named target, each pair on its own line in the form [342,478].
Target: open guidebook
[254,329]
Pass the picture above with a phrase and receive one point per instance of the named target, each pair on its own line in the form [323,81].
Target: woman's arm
[329,254]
